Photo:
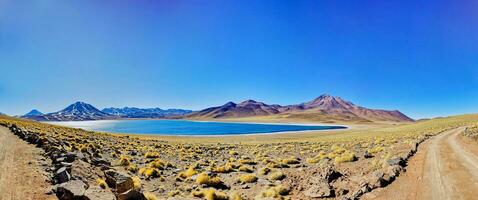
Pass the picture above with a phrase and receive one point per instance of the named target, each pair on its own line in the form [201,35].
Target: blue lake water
[184,127]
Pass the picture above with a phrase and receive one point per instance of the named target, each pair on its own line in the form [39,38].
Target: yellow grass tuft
[205,179]
[136,183]
[248,178]
[210,194]
[275,191]
[102,183]
[124,160]
[150,196]
[188,173]
[345,157]
[277,175]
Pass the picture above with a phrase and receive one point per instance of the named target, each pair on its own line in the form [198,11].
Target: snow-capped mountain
[132,112]
[34,112]
[81,111]
[78,111]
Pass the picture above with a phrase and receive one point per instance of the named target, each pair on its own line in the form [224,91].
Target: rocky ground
[89,165]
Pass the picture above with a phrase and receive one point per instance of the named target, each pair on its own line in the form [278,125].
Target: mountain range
[132,112]
[324,108]
[81,111]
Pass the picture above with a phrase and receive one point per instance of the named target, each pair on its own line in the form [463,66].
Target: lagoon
[188,128]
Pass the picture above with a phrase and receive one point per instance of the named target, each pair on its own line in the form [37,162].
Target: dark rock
[330,174]
[98,193]
[71,190]
[131,195]
[367,155]
[70,157]
[100,161]
[121,182]
[62,175]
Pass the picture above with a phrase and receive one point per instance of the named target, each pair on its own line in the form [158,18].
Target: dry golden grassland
[280,166]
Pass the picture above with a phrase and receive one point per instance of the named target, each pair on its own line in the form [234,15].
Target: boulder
[121,182]
[376,179]
[71,190]
[131,195]
[62,175]
[396,161]
[70,157]
[330,174]
[98,193]
[319,190]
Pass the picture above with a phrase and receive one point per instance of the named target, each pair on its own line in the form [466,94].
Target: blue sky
[420,57]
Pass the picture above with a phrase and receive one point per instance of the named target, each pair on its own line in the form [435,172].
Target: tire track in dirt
[443,168]
[20,176]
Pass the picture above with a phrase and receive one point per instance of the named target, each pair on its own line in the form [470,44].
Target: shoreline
[335,127]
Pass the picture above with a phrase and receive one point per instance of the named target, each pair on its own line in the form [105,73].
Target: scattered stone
[330,174]
[98,193]
[319,190]
[131,195]
[71,190]
[367,155]
[62,175]
[70,157]
[396,161]
[119,181]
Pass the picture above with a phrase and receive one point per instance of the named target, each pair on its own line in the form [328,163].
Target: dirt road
[445,168]
[20,174]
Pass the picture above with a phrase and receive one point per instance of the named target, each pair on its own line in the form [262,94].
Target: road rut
[445,168]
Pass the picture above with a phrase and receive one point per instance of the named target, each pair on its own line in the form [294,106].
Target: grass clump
[375,150]
[291,160]
[124,161]
[346,157]
[277,175]
[245,168]
[205,179]
[132,168]
[228,167]
[150,196]
[102,183]
[191,171]
[235,196]
[158,164]
[248,178]
[149,172]
[264,171]
[151,154]
[136,183]
[275,191]
[210,194]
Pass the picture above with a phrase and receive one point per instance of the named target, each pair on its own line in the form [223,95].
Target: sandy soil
[21,177]
[445,167]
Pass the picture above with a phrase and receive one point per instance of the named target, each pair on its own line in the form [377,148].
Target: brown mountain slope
[324,108]
[230,109]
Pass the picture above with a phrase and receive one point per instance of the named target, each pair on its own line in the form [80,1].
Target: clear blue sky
[420,57]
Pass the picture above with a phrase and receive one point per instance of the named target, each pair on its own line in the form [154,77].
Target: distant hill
[323,108]
[131,112]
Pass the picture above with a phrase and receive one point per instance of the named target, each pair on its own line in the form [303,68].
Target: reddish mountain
[323,108]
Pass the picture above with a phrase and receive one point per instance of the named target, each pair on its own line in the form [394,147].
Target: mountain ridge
[321,107]
[133,112]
